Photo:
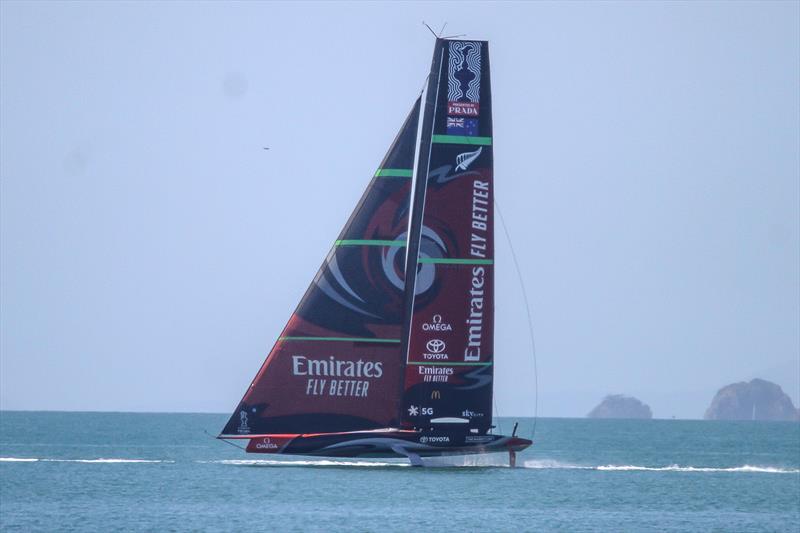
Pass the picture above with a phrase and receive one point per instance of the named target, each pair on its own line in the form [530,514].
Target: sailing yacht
[390,351]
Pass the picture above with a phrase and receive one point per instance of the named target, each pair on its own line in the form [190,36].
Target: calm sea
[161,472]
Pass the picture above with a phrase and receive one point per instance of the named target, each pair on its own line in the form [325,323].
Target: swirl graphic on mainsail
[389,262]
[431,245]
[464,72]
[327,287]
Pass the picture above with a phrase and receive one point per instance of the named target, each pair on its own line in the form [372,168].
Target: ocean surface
[161,472]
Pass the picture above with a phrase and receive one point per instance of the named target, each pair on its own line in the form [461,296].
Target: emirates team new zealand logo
[464,79]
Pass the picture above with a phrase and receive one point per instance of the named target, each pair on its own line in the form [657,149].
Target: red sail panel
[449,372]
[337,364]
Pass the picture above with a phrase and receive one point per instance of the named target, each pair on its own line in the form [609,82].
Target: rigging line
[429,29]
[497,414]
[223,440]
[530,322]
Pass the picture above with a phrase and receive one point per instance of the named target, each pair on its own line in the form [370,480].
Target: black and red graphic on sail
[337,364]
[449,349]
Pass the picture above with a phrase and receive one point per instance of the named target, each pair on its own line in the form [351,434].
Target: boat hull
[384,444]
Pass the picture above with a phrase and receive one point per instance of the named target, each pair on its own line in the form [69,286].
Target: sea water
[162,472]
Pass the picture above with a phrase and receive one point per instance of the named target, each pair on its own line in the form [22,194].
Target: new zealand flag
[462,126]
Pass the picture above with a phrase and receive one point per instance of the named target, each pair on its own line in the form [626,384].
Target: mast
[430,98]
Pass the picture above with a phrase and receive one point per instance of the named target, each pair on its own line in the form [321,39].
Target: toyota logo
[435,346]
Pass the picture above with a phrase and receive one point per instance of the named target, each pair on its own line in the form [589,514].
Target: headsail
[449,342]
[337,365]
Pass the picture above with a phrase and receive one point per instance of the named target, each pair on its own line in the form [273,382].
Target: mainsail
[450,301]
[370,347]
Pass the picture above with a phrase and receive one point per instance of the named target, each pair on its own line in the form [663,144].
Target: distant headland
[757,400]
[621,406]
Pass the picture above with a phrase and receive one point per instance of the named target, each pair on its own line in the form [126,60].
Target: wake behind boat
[377,363]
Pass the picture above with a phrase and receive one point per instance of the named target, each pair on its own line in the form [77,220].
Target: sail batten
[368,242]
[338,339]
[394,173]
[460,139]
[454,261]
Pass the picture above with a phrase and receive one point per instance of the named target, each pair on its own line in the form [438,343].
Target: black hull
[384,444]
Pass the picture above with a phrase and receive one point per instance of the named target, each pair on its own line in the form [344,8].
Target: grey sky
[646,162]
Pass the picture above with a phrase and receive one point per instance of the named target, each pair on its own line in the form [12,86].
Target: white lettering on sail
[332,367]
[435,373]
[478,249]
[436,324]
[480,218]
[303,366]
[475,321]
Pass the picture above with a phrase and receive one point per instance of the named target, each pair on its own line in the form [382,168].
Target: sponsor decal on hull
[266,444]
[433,439]
[270,444]
[478,438]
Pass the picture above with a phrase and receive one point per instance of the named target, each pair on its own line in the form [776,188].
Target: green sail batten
[461,139]
[350,339]
[454,261]
[394,173]
[368,242]
[450,364]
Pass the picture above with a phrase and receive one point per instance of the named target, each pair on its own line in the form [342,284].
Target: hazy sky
[646,160]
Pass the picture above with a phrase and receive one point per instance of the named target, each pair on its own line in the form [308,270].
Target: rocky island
[757,400]
[620,406]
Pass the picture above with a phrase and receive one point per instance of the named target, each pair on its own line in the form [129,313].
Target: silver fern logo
[465,160]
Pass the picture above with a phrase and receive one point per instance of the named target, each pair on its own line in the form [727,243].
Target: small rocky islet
[757,399]
[621,406]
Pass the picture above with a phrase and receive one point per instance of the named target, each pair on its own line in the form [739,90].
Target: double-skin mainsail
[390,351]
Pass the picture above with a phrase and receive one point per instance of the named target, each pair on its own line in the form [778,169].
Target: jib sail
[449,347]
[337,365]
